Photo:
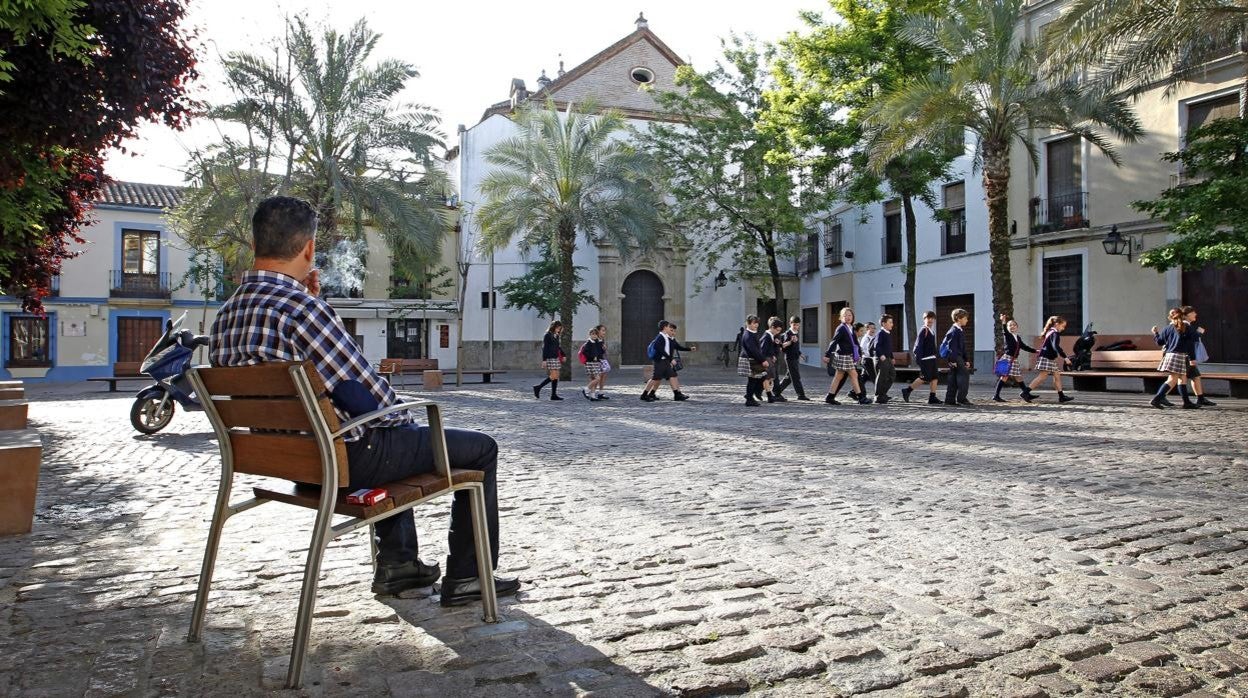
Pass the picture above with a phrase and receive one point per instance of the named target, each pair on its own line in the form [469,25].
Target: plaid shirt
[272,317]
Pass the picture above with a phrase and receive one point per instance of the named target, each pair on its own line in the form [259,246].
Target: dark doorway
[1220,294]
[945,305]
[136,336]
[898,311]
[834,316]
[767,309]
[405,338]
[640,311]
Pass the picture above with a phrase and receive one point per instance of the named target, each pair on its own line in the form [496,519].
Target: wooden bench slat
[13,414]
[286,456]
[261,380]
[401,492]
[264,413]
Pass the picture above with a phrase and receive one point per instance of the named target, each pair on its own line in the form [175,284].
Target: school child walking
[752,363]
[552,359]
[1014,346]
[664,350]
[770,345]
[882,348]
[842,359]
[1177,341]
[1047,361]
[791,346]
[866,345]
[1196,332]
[924,353]
[591,357]
[959,363]
[606,365]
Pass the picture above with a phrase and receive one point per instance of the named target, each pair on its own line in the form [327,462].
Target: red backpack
[581,354]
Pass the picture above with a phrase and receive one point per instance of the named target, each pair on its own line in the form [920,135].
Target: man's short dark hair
[281,226]
[663,325]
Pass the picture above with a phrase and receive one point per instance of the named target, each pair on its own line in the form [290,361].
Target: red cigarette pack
[367,497]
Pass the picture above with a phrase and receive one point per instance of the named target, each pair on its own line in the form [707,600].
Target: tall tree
[826,81]
[538,289]
[64,106]
[321,119]
[566,174]
[988,81]
[1209,213]
[1133,44]
[730,199]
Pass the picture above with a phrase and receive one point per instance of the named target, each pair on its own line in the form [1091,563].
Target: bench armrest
[377,414]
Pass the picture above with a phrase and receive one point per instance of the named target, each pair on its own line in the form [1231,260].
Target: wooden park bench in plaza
[276,420]
[21,450]
[123,371]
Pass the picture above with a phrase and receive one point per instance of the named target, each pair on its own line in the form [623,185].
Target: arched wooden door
[641,311]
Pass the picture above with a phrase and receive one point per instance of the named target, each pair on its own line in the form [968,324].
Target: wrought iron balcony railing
[123,285]
[1064,212]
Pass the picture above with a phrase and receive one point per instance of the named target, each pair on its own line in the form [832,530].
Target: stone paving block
[1074,647]
[727,651]
[1055,684]
[1161,681]
[1143,653]
[1026,663]
[937,660]
[1102,668]
[793,639]
[695,683]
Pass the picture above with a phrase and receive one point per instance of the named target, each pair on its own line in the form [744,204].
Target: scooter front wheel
[147,416]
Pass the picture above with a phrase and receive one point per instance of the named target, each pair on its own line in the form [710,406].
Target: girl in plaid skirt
[1014,346]
[842,358]
[1047,361]
[552,359]
[591,356]
[1179,345]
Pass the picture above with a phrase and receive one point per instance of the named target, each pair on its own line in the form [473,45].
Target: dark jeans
[885,375]
[959,382]
[794,379]
[386,455]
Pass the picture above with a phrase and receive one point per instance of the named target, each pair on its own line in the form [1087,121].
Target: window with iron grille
[892,232]
[809,259]
[832,254]
[29,344]
[810,325]
[953,228]
[1063,290]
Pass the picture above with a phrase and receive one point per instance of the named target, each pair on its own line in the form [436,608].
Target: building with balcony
[1066,209]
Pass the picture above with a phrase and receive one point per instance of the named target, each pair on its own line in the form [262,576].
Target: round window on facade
[642,76]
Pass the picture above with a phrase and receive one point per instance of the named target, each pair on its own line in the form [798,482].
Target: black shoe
[852,395]
[1065,398]
[933,400]
[586,394]
[831,399]
[1158,403]
[750,401]
[1166,403]
[680,397]
[803,398]
[602,396]
[998,398]
[390,579]
[537,392]
[781,398]
[1202,400]
[555,397]
[951,403]
[864,400]
[771,398]
[645,397]
[457,592]
[883,400]
[905,393]
[966,403]
[1187,405]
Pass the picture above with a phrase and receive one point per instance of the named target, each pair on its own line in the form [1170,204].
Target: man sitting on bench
[275,315]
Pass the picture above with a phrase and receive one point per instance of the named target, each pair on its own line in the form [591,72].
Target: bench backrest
[407,365]
[272,418]
[1126,360]
[126,368]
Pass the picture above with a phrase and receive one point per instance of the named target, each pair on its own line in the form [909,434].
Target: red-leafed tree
[63,111]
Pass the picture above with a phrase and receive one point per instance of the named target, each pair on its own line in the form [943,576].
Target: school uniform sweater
[883,348]
[1052,347]
[842,342]
[1014,345]
[1173,341]
[550,346]
[752,347]
[594,351]
[768,346]
[956,339]
[793,352]
[924,344]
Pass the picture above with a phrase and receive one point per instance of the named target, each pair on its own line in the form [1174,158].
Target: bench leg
[481,540]
[1239,389]
[219,517]
[1088,383]
[307,597]
[372,547]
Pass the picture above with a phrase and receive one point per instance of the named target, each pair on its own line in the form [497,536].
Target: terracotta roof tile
[139,195]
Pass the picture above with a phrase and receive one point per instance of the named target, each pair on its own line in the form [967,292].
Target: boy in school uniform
[791,345]
[867,343]
[882,349]
[770,347]
[665,353]
[924,354]
[959,362]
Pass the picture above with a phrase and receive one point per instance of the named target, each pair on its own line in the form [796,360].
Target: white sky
[467,52]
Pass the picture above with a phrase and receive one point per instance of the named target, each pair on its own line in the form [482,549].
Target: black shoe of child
[537,392]
[1204,401]
[1166,402]
[586,394]
[803,398]
[680,397]
[601,396]
[555,397]
[933,400]
[1029,397]
[950,403]
[966,403]
[864,400]
[883,399]
[1190,406]
[770,398]
[750,401]
[645,397]
[905,393]
[998,398]
[1063,397]
[781,398]
[831,399]
[1158,402]
[853,395]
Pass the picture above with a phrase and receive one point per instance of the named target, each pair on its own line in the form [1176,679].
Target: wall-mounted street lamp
[721,280]
[1116,244]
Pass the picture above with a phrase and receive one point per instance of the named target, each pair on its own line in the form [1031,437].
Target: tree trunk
[996,189]
[911,319]
[777,285]
[567,245]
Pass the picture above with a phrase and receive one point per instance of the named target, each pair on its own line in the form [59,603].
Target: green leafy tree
[988,81]
[320,119]
[538,289]
[57,21]
[566,174]
[1132,44]
[731,201]
[1209,212]
[828,78]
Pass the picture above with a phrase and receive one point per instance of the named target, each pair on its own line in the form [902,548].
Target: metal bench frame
[323,532]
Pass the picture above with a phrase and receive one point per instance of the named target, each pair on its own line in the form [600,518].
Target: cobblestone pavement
[697,549]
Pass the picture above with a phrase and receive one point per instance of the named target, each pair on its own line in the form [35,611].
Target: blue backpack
[945,349]
[652,351]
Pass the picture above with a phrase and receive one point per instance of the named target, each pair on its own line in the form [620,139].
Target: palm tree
[565,173]
[320,119]
[988,82]
[1131,44]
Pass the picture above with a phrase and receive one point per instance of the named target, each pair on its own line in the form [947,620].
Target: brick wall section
[610,84]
